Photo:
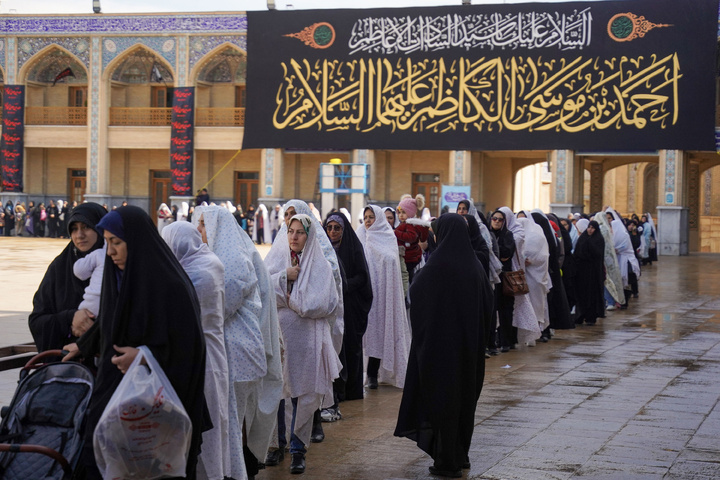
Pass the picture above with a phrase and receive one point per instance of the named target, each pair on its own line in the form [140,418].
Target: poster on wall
[453,194]
[606,76]
[12,143]
[181,141]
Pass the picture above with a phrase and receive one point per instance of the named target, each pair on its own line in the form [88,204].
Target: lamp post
[96,6]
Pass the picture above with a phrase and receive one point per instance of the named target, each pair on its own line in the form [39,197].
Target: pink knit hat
[409,205]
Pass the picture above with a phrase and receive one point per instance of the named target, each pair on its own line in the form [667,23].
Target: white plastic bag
[144,431]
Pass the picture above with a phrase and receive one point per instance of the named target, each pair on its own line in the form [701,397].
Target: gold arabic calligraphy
[489,94]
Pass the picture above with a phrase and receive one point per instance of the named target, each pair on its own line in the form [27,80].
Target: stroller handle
[5,447]
[35,362]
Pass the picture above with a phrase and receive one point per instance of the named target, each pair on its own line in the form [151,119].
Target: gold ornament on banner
[625,27]
[318,35]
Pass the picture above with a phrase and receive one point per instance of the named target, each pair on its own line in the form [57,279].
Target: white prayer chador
[537,257]
[164,217]
[624,251]
[262,212]
[305,311]
[613,278]
[387,336]
[244,343]
[524,318]
[337,322]
[261,412]
[206,273]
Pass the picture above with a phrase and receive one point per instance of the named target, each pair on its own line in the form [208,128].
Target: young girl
[411,231]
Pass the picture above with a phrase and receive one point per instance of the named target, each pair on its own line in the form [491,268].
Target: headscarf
[582,225]
[60,291]
[397,220]
[155,305]
[387,336]
[536,252]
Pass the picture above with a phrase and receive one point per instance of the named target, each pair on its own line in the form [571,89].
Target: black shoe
[445,473]
[372,383]
[275,457]
[298,463]
[494,351]
[505,349]
[544,339]
[317,434]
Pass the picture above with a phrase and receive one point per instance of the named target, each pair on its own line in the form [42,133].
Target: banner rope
[223,168]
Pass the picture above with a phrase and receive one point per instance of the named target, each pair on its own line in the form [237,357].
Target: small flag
[65,73]
[156,76]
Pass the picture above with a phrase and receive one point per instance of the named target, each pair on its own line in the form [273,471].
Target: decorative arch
[137,63]
[53,56]
[650,177]
[226,54]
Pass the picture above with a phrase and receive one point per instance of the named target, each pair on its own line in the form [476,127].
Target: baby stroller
[42,429]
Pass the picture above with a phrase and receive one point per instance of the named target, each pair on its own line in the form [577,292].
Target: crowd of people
[262,352]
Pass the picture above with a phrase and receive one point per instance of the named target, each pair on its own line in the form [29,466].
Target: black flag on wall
[65,73]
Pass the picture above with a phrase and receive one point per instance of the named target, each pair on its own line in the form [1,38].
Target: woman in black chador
[590,261]
[147,299]
[446,367]
[55,319]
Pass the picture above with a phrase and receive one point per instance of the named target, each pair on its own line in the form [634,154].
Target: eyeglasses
[497,219]
[333,228]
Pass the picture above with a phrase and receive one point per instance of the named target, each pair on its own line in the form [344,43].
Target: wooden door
[160,188]
[76,185]
[428,184]
[246,188]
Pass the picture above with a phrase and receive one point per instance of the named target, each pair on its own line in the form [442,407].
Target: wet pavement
[636,396]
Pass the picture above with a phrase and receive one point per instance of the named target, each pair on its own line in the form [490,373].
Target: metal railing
[219,117]
[56,115]
[153,117]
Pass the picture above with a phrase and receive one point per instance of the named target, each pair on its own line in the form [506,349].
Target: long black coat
[446,367]
[590,260]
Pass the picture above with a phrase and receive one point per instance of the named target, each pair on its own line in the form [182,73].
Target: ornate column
[567,182]
[98,153]
[271,176]
[597,186]
[673,225]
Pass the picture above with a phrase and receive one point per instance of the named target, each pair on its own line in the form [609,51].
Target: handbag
[514,282]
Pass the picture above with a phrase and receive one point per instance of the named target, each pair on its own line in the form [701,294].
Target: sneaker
[610,307]
[331,414]
[531,343]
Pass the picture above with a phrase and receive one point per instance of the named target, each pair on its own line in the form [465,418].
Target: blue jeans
[609,300]
[296,445]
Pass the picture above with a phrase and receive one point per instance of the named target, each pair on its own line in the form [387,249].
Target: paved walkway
[634,397]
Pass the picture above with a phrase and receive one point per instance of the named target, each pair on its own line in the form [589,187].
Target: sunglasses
[333,228]
[497,219]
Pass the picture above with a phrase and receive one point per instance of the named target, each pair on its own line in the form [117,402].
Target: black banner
[181,141]
[12,143]
[612,75]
